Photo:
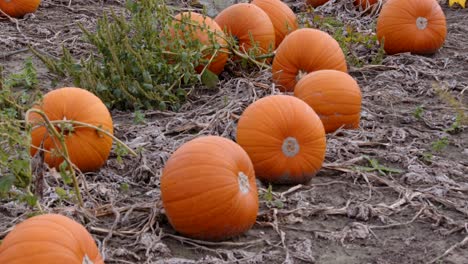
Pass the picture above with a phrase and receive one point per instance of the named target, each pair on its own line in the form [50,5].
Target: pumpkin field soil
[393,191]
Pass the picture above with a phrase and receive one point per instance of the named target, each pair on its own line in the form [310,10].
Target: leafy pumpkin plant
[138,64]
[208,32]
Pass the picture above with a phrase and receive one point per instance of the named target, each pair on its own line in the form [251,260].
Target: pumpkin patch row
[208,185]
[282,135]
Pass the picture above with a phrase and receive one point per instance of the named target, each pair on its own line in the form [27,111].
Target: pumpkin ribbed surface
[206,27]
[19,8]
[245,22]
[208,189]
[284,138]
[305,50]
[49,239]
[334,95]
[283,18]
[417,26]
[88,148]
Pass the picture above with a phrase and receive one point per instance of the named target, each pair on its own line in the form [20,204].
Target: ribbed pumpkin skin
[397,25]
[240,19]
[19,8]
[316,3]
[334,95]
[218,62]
[306,50]
[283,18]
[49,239]
[201,192]
[264,130]
[88,149]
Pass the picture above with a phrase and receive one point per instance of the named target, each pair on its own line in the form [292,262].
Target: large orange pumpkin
[51,239]
[207,26]
[334,95]
[19,8]
[283,18]
[303,51]
[246,22]
[284,138]
[88,149]
[208,189]
[316,3]
[416,26]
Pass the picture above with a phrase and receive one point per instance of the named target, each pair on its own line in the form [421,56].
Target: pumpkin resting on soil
[416,26]
[208,26]
[284,138]
[334,95]
[208,189]
[51,239]
[303,51]
[19,8]
[283,18]
[244,21]
[88,148]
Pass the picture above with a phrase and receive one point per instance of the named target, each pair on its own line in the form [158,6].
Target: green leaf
[62,193]
[65,173]
[209,79]
[30,199]
[6,182]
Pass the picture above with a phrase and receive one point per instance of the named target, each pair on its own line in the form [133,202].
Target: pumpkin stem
[290,147]
[86,260]
[300,74]
[244,185]
[421,23]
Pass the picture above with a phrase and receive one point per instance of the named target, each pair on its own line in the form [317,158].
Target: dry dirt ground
[353,211]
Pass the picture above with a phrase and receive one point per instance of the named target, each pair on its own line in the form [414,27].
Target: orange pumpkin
[208,189]
[334,95]
[245,22]
[283,18]
[365,4]
[416,26]
[51,239]
[202,32]
[88,149]
[303,51]
[284,138]
[19,8]
[316,3]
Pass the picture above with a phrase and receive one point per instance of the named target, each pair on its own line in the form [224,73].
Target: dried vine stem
[64,150]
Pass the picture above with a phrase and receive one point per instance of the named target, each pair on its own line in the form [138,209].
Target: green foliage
[418,112]
[138,63]
[440,144]
[270,199]
[138,117]
[374,165]
[15,160]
